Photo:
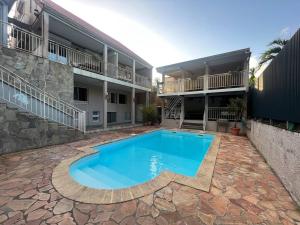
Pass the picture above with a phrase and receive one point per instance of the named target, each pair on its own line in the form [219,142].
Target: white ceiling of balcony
[64,31]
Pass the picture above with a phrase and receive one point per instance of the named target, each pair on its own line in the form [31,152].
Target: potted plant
[237,106]
[149,115]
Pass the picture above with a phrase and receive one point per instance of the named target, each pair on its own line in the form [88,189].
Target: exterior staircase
[31,118]
[173,107]
[193,124]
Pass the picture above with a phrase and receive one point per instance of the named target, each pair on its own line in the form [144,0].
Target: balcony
[205,83]
[23,40]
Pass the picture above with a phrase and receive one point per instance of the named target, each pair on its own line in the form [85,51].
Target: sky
[169,31]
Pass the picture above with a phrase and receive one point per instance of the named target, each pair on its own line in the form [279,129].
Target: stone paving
[244,190]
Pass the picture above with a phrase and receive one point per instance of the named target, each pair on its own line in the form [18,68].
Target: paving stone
[146,220]
[3,218]
[126,209]
[63,206]
[37,214]
[163,204]
[129,221]
[80,217]
[35,206]
[20,204]
[143,209]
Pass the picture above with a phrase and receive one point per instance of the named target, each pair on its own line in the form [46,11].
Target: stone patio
[244,190]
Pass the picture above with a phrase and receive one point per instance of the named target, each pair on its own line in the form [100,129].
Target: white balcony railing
[17,91]
[206,82]
[226,80]
[66,55]
[224,113]
[142,81]
[18,38]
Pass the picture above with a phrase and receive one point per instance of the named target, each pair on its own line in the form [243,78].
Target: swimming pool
[138,159]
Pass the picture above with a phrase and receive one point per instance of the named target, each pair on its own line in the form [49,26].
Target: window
[127,116]
[111,117]
[96,116]
[112,98]
[80,94]
[122,99]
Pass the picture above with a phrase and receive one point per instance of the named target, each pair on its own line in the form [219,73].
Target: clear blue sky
[192,28]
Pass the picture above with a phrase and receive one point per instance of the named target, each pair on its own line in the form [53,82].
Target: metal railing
[194,85]
[21,39]
[225,113]
[17,91]
[18,38]
[142,80]
[125,74]
[66,55]
[216,81]
[226,80]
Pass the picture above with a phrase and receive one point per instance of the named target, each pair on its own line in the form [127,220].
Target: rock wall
[54,78]
[20,131]
[281,150]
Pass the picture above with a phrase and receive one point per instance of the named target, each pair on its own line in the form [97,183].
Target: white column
[163,83]
[246,73]
[105,60]
[147,98]
[133,71]
[116,63]
[205,80]
[133,106]
[105,94]
[205,111]
[4,18]
[45,33]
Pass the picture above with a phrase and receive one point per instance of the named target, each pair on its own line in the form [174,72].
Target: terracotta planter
[235,131]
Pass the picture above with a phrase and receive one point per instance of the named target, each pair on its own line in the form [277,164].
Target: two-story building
[108,81]
[196,93]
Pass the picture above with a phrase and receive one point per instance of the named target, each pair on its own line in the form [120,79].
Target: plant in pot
[149,115]
[237,106]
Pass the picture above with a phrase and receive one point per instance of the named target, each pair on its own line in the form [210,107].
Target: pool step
[102,177]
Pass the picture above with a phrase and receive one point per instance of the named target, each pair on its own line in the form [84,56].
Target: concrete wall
[95,103]
[281,149]
[54,78]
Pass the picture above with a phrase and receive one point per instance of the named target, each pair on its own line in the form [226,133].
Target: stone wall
[54,78]
[20,131]
[281,150]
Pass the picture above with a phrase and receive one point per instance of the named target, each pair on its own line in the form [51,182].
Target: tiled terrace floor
[244,191]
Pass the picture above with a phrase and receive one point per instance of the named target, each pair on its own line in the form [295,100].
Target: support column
[116,63]
[105,95]
[105,60]
[162,110]
[205,112]
[133,106]
[205,80]
[246,73]
[147,98]
[163,83]
[133,71]
[4,18]
[45,33]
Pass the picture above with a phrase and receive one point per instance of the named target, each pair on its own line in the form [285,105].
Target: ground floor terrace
[108,104]
[244,190]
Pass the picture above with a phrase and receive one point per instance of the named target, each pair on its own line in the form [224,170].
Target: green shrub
[149,114]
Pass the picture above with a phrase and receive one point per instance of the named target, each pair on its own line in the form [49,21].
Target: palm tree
[275,47]
[252,79]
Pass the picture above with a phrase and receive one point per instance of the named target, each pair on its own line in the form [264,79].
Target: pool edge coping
[69,188]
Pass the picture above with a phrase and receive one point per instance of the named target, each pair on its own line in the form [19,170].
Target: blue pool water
[138,159]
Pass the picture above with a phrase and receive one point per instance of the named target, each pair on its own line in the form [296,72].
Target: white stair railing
[17,91]
[172,107]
